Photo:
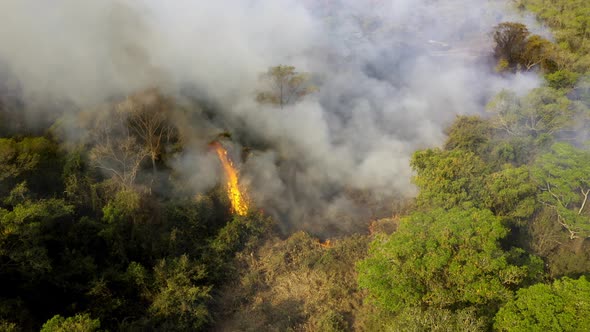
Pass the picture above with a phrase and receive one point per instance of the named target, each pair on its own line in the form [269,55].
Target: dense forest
[100,232]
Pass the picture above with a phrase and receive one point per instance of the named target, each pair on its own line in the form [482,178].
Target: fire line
[238,200]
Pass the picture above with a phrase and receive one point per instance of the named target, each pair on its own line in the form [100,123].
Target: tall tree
[116,151]
[284,86]
[148,115]
[510,39]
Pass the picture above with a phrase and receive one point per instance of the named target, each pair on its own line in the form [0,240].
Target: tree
[12,161]
[569,21]
[240,233]
[562,306]
[22,245]
[22,160]
[148,117]
[511,194]
[284,86]
[180,302]
[470,133]
[446,260]
[511,40]
[448,178]
[562,79]
[78,178]
[120,158]
[537,52]
[562,177]
[541,114]
[77,323]
[116,151]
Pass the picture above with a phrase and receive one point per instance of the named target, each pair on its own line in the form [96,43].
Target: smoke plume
[391,75]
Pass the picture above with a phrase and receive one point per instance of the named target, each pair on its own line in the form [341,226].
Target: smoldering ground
[391,76]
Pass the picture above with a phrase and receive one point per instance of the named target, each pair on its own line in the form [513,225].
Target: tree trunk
[154,164]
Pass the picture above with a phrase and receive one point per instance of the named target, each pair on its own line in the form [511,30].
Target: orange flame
[237,198]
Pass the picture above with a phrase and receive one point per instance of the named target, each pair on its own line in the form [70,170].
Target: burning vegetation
[238,199]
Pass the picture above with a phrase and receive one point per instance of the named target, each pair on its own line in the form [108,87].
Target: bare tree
[147,117]
[122,159]
[116,151]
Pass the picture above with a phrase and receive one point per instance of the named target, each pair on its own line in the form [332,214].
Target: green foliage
[448,178]
[562,79]
[541,114]
[180,304]
[194,222]
[78,323]
[511,194]
[33,159]
[92,249]
[8,326]
[242,232]
[562,177]
[122,207]
[538,51]
[470,133]
[12,162]
[125,253]
[78,180]
[562,306]
[121,216]
[444,259]
[22,240]
[570,22]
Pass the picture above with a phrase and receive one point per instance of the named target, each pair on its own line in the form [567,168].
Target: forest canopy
[101,228]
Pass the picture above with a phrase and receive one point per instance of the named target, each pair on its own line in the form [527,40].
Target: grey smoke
[391,76]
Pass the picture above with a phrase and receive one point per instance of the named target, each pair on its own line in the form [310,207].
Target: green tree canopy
[78,323]
[22,244]
[471,133]
[540,114]
[562,177]
[180,302]
[562,306]
[511,194]
[35,159]
[444,259]
[448,178]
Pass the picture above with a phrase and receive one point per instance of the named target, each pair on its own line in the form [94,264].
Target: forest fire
[238,199]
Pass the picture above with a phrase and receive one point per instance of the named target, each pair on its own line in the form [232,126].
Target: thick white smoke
[392,74]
